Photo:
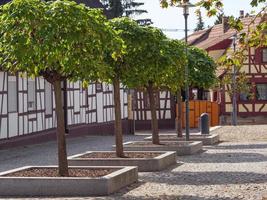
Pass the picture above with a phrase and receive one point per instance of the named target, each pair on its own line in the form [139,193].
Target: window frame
[262,50]
[252,92]
[48,88]
[34,90]
[16,110]
[255,94]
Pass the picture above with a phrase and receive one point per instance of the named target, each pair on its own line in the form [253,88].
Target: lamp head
[185,4]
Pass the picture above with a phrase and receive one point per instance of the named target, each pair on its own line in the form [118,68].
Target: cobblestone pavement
[232,170]
[243,133]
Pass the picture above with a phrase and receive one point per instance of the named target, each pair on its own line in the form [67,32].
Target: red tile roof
[209,37]
[214,36]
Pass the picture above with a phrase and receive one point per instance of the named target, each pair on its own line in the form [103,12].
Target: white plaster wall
[13,125]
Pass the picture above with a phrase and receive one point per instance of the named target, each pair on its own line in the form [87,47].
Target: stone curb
[67,186]
[182,148]
[144,164]
[210,139]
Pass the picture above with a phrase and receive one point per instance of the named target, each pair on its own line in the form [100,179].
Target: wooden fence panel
[197,107]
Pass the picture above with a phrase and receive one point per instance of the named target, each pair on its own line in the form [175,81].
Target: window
[264,55]
[99,87]
[261,91]
[12,94]
[48,99]
[31,95]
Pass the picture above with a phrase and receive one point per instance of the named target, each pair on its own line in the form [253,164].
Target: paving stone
[233,170]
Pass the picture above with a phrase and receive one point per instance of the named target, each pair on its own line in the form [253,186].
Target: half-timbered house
[216,41]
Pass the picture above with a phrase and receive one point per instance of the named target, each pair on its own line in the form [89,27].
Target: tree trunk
[62,152]
[179,114]
[154,120]
[65,106]
[118,125]
[200,94]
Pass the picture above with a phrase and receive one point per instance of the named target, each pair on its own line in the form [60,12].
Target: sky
[172,18]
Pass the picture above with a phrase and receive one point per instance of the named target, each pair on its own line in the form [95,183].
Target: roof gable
[212,37]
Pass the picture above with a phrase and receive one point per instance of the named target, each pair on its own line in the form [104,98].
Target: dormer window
[264,55]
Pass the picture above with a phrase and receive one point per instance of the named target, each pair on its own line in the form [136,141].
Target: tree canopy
[144,46]
[126,8]
[59,37]
[200,22]
[57,40]
[174,75]
[202,68]
[150,62]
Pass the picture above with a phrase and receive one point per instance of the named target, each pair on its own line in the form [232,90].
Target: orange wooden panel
[204,107]
[197,104]
[215,114]
[192,120]
[199,107]
[183,108]
[208,110]
[183,116]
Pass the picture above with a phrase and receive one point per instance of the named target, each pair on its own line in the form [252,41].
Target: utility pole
[185,4]
[234,105]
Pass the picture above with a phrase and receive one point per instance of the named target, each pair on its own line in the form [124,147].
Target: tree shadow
[207,178]
[174,166]
[225,158]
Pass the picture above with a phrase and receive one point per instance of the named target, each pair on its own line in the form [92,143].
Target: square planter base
[160,162]
[209,139]
[66,186]
[181,147]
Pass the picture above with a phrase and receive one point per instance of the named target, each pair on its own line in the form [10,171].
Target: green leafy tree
[202,74]
[175,77]
[147,49]
[150,72]
[219,18]
[123,69]
[113,72]
[242,85]
[126,8]
[174,53]
[57,40]
[114,7]
[200,23]
[202,68]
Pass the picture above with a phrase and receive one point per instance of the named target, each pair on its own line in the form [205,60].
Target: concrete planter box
[209,139]
[181,147]
[157,163]
[66,186]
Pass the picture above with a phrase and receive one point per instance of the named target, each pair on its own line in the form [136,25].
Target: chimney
[242,14]
[225,23]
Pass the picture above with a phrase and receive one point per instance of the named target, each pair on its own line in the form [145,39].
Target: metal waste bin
[204,123]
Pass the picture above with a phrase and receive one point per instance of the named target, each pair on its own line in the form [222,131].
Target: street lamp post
[185,4]
[234,111]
